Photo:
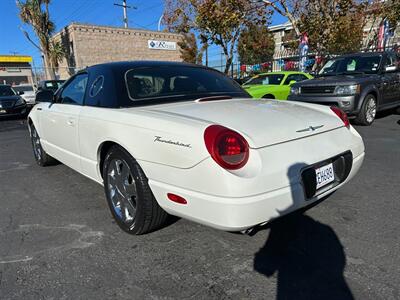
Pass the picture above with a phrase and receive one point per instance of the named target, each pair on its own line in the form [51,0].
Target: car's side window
[391,60]
[295,77]
[74,92]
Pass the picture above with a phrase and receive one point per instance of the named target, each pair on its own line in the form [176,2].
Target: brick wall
[87,45]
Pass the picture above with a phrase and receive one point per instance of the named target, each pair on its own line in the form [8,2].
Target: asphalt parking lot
[58,240]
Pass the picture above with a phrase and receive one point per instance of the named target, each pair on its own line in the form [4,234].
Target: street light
[159,22]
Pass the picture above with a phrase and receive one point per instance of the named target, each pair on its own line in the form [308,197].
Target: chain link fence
[285,60]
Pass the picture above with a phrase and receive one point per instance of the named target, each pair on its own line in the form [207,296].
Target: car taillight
[342,115]
[228,148]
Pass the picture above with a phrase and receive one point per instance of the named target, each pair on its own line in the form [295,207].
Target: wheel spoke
[116,168]
[116,201]
[130,189]
[130,210]
[111,179]
[124,171]
[123,208]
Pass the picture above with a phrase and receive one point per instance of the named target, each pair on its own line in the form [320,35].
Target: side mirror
[44,96]
[390,69]
[21,93]
[292,82]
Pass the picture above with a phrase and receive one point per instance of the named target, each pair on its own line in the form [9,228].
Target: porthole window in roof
[96,86]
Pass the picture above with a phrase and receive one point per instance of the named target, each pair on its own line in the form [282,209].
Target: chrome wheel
[370,110]
[122,191]
[37,149]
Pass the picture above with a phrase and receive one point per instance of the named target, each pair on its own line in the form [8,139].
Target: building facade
[15,69]
[284,33]
[87,45]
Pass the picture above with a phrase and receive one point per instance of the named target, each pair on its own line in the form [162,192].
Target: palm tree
[31,12]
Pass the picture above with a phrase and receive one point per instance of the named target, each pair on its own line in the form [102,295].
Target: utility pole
[124,6]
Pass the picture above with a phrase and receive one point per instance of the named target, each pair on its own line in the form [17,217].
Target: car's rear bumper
[346,103]
[236,214]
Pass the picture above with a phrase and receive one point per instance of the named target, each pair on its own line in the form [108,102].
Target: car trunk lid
[263,122]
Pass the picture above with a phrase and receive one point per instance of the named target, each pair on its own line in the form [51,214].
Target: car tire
[41,156]
[128,194]
[368,111]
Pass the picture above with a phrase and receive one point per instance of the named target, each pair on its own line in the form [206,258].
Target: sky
[98,12]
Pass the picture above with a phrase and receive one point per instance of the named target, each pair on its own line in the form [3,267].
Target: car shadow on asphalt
[387,113]
[305,255]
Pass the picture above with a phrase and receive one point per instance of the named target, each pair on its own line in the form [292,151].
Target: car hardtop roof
[143,64]
[51,80]
[364,54]
[282,72]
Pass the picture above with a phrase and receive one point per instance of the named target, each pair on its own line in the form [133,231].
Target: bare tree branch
[285,12]
[26,34]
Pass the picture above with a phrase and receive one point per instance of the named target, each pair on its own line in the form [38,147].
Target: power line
[78,9]
[96,9]
[148,7]
[85,11]
[138,25]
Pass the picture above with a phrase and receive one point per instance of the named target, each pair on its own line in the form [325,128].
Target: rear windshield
[55,84]
[25,88]
[6,90]
[176,83]
[274,79]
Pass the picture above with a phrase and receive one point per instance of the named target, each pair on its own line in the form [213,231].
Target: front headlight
[19,102]
[295,90]
[347,89]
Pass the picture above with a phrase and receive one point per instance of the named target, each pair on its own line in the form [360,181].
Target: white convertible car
[173,138]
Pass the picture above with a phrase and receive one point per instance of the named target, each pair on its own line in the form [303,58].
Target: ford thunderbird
[173,138]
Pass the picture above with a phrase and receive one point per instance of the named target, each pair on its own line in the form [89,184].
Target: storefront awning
[15,58]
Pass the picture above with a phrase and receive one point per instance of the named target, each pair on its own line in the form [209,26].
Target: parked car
[27,92]
[52,85]
[164,137]
[274,85]
[361,84]
[11,104]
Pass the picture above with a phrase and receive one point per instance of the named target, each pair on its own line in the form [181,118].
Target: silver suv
[361,84]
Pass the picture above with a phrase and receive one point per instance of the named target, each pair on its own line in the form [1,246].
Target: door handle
[39,108]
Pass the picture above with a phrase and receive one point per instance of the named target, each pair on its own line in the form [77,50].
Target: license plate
[2,111]
[324,175]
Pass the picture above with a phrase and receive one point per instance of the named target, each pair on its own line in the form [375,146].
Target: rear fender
[33,119]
